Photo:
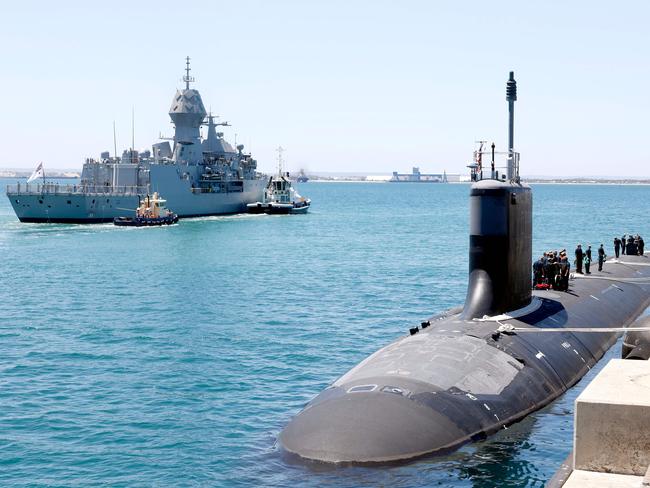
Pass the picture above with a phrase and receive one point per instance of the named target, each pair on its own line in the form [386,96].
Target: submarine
[466,373]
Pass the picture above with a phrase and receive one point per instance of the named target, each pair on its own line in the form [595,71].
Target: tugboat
[280,197]
[151,212]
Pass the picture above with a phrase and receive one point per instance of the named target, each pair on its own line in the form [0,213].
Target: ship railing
[58,189]
[489,165]
[220,187]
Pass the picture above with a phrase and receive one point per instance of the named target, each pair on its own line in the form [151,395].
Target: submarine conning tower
[500,240]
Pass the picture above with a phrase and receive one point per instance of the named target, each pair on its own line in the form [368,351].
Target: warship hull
[71,204]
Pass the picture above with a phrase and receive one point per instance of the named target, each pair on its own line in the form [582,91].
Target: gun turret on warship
[465,374]
[198,176]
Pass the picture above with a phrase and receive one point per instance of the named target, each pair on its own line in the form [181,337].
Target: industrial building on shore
[417,177]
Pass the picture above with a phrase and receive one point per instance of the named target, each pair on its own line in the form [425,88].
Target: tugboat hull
[277,208]
[145,222]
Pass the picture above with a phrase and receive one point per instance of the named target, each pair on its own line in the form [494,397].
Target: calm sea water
[174,356]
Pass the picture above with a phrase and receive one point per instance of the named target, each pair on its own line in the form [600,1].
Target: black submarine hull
[459,380]
[471,373]
[636,344]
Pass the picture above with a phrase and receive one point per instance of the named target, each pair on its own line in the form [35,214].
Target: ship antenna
[280,150]
[187,78]
[511,97]
[114,141]
[132,131]
[115,174]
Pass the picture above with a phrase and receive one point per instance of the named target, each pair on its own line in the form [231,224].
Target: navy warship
[466,373]
[197,176]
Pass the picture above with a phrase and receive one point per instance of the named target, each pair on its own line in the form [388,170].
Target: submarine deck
[458,380]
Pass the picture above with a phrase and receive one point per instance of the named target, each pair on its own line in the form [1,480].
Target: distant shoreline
[23,176]
[70,175]
[571,181]
[568,181]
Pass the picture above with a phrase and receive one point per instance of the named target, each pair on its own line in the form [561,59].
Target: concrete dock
[611,430]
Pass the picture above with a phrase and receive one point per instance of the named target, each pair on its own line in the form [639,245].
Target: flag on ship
[38,173]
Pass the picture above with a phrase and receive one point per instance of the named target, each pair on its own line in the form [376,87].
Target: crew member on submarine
[579,258]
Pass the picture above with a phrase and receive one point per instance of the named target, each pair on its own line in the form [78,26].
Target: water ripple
[174,357]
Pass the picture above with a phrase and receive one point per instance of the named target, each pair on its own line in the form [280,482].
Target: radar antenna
[187,78]
[280,150]
[210,121]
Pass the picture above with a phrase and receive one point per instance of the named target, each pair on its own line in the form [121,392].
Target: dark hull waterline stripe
[92,220]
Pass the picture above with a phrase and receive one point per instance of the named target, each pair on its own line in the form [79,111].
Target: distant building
[418,177]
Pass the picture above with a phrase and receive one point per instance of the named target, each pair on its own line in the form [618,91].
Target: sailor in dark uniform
[601,257]
[565,269]
[552,269]
[623,242]
[617,246]
[538,271]
[548,267]
[630,249]
[641,246]
[587,260]
[579,257]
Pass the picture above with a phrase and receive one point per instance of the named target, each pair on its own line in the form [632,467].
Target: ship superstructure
[198,175]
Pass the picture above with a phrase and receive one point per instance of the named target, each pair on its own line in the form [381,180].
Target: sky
[344,86]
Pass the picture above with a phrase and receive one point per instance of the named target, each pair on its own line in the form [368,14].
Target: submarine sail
[458,377]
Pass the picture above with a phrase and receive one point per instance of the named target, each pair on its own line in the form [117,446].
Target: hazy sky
[370,86]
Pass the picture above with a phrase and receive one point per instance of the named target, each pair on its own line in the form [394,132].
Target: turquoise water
[174,356]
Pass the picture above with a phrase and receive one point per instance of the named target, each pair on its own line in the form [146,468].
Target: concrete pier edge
[611,434]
